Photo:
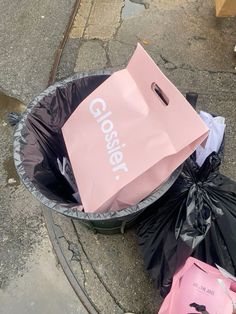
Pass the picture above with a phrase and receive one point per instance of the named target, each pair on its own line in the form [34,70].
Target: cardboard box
[225,8]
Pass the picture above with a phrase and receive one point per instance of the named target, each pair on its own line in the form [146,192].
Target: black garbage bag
[196,217]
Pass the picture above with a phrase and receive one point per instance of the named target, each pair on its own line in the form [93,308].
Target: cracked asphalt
[191,46]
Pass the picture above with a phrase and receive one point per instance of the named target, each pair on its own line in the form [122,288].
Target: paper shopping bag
[127,137]
[200,288]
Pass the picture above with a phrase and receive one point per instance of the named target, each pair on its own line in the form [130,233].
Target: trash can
[38,142]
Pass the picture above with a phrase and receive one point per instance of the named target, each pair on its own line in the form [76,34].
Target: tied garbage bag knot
[200,208]
[198,218]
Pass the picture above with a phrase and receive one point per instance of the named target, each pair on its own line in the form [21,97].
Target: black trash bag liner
[45,141]
[38,142]
[14,118]
[196,217]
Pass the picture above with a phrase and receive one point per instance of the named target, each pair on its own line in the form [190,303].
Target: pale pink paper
[197,283]
[156,138]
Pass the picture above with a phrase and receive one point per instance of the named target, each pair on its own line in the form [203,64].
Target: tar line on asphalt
[82,295]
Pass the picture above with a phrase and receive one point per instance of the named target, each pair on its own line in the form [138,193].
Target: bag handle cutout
[160,94]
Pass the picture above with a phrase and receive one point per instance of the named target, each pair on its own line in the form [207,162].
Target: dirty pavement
[192,47]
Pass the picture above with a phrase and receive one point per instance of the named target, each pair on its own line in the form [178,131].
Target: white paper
[216,127]
[66,171]
[225,273]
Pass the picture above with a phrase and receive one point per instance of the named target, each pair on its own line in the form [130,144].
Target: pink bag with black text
[200,288]
[128,136]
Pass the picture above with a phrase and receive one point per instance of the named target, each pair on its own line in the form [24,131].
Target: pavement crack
[88,18]
[199,38]
[164,59]
[74,249]
[105,46]
[142,2]
[119,22]
[188,68]
[76,256]
[167,64]
[125,43]
[59,232]
[96,272]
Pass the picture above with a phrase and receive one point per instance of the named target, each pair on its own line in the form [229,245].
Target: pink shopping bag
[200,288]
[129,135]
